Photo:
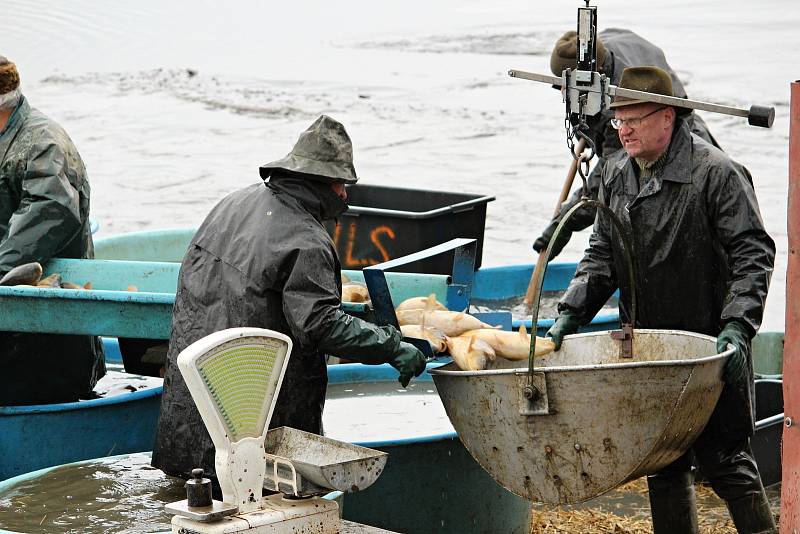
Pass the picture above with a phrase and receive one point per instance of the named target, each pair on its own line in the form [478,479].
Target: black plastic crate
[384,223]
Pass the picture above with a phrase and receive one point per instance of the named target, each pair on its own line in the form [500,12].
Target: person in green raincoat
[44,213]
[703,262]
[262,258]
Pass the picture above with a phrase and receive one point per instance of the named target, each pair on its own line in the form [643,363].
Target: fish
[70,285]
[87,285]
[355,292]
[132,288]
[54,280]
[470,353]
[25,274]
[434,336]
[450,322]
[512,345]
[428,303]
[345,279]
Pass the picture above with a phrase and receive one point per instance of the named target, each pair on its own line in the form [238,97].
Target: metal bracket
[533,394]
[273,479]
[459,290]
[625,335]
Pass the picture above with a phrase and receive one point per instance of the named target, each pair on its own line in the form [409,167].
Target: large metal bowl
[601,420]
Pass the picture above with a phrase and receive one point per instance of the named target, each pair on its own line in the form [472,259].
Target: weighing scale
[234,377]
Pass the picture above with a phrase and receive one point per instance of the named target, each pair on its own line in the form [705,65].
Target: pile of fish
[471,343]
[30,275]
[354,291]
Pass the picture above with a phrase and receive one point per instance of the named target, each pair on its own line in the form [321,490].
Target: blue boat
[459,495]
[38,436]
[34,437]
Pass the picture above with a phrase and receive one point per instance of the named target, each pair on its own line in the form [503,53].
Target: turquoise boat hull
[455,494]
[39,436]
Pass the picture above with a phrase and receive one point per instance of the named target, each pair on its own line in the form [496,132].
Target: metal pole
[790,488]
[756,115]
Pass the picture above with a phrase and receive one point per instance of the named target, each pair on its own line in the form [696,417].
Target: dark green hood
[316,197]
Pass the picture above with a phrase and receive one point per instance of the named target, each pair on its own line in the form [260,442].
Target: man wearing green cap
[262,258]
[616,49]
[44,213]
[702,261]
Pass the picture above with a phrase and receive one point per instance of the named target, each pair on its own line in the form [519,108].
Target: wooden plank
[790,494]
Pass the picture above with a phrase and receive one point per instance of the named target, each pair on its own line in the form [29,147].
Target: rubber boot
[672,503]
[752,514]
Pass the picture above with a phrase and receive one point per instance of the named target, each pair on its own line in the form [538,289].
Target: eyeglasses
[634,122]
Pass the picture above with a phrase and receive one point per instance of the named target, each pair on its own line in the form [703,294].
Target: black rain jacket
[262,258]
[701,253]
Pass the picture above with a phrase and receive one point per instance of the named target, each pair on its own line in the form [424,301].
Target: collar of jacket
[317,198]
[677,168]
[13,126]
[17,117]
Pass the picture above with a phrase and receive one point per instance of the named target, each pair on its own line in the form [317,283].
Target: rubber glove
[541,243]
[565,325]
[738,335]
[409,361]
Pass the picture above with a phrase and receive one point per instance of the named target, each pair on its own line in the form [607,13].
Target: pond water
[170,119]
[119,495]
[383,411]
[117,381]
[548,306]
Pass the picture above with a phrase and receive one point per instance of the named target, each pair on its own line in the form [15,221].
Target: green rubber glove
[565,325]
[737,335]
[409,361]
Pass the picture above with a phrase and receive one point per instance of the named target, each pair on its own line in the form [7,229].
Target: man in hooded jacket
[702,262]
[617,49]
[262,258]
[44,213]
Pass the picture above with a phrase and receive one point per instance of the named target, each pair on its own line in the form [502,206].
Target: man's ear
[670,115]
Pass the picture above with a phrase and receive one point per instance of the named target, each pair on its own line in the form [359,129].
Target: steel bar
[756,115]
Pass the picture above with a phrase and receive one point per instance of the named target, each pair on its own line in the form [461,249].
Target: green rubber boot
[673,504]
[752,514]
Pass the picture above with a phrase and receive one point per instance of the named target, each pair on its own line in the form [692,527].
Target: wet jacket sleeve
[312,306]
[751,252]
[596,277]
[48,216]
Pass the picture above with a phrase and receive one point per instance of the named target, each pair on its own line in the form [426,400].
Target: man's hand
[565,325]
[737,335]
[409,361]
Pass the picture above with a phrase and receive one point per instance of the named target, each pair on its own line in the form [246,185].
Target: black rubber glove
[737,335]
[565,325]
[409,361]
[541,243]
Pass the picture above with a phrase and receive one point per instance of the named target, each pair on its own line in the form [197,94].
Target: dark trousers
[730,468]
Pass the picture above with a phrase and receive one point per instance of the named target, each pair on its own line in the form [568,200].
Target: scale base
[277,515]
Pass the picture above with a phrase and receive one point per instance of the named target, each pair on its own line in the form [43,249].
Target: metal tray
[308,464]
